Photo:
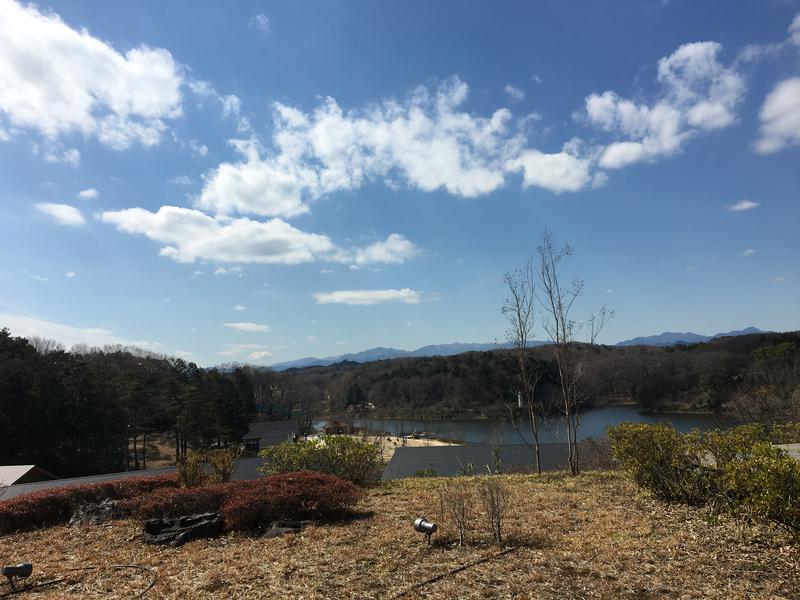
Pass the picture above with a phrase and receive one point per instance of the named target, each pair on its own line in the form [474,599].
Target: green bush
[766,484]
[667,463]
[338,455]
[737,470]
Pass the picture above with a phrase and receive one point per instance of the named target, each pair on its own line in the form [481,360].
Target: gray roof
[452,460]
[245,469]
[270,433]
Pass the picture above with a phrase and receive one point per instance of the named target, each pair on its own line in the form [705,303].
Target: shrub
[55,506]
[192,470]
[222,463]
[303,495]
[494,498]
[456,504]
[172,502]
[667,463]
[342,456]
[766,484]
[787,433]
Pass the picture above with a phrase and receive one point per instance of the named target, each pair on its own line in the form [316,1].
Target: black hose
[90,568]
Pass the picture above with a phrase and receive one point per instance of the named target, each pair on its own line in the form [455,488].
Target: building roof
[245,469]
[448,461]
[270,433]
[10,474]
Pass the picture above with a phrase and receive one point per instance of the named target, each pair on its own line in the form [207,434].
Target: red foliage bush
[301,495]
[172,502]
[244,505]
[55,506]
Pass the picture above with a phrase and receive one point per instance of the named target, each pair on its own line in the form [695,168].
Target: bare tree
[494,494]
[456,505]
[45,345]
[557,301]
[519,310]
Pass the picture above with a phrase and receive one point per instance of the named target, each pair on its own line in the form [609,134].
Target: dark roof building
[245,470]
[447,461]
[269,433]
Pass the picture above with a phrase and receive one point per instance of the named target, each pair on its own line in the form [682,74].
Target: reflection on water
[593,424]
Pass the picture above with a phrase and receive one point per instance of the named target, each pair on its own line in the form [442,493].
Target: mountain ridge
[666,338]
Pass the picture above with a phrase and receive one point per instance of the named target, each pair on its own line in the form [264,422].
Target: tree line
[757,374]
[94,411]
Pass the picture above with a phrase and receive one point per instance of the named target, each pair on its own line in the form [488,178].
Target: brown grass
[593,536]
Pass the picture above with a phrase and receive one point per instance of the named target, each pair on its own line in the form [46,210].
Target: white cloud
[536,79]
[516,94]
[780,117]
[230,103]
[89,194]
[70,274]
[40,278]
[54,152]
[253,351]
[57,80]
[66,334]
[240,307]
[310,338]
[742,205]
[63,214]
[260,22]
[180,180]
[560,172]
[190,235]
[748,252]
[424,141]
[394,249]
[198,148]
[794,30]
[366,297]
[698,94]
[249,327]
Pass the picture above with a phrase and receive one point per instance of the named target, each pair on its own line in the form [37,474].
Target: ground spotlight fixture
[422,525]
[21,570]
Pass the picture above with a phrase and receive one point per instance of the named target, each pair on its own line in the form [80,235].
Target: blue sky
[257,182]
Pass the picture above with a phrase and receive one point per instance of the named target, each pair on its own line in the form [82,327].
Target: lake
[593,424]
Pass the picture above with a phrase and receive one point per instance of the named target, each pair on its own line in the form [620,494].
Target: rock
[96,514]
[182,529]
[279,528]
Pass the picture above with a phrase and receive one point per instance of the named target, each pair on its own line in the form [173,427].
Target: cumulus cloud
[514,93]
[425,141]
[560,172]
[252,351]
[742,205]
[249,327]
[70,274]
[198,148]
[230,103]
[63,214]
[190,235]
[794,30]
[698,93]
[748,252]
[57,80]
[367,297]
[89,194]
[180,180]
[240,307]
[780,117]
[394,249]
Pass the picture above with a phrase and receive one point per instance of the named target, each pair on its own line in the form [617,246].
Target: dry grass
[588,537]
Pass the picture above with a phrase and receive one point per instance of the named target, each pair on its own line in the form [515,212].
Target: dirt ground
[594,536]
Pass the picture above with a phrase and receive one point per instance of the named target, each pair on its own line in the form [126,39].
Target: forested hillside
[720,374]
[93,410]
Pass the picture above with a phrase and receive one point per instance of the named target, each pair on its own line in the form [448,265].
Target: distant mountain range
[386,353]
[671,338]
[665,339]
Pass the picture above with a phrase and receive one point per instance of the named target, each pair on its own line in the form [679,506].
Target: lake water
[593,424]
